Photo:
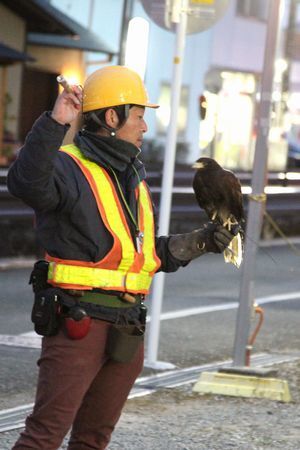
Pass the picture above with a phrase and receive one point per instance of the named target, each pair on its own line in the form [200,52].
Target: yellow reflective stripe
[148,243]
[106,195]
[95,277]
[85,276]
[137,281]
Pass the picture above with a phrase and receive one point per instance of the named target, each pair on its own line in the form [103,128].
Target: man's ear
[111,118]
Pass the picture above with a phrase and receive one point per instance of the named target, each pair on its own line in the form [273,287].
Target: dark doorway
[39,93]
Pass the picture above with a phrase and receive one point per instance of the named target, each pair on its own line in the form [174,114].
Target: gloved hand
[212,238]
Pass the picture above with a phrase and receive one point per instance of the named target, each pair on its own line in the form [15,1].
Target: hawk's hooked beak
[198,165]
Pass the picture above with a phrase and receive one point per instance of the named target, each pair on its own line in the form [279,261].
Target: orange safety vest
[124,268]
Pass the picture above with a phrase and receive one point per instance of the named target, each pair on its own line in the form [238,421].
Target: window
[163,112]
[297,18]
[256,9]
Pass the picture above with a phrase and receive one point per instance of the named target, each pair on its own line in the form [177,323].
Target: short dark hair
[90,124]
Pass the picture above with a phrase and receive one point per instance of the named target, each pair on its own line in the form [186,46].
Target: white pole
[91,14]
[179,9]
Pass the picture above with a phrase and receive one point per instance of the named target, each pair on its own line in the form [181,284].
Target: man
[94,219]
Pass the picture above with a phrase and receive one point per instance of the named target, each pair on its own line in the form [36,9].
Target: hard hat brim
[151,105]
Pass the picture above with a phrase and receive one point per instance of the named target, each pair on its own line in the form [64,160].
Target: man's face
[134,128]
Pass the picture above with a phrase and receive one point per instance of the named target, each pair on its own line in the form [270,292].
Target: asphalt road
[184,341]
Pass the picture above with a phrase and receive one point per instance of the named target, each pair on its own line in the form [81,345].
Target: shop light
[289,176]
[72,76]
[281,66]
[137,45]
[293,104]
[276,96]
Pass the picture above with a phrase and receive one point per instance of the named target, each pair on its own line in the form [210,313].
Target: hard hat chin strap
[122,120]
[112,131]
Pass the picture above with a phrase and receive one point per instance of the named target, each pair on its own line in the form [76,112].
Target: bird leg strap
[261,198]
[231,221]
[234,252]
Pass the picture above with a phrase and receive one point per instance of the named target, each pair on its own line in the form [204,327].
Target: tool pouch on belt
[46,312]
[124,341]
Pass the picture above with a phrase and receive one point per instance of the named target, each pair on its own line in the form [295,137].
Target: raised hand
[67,105]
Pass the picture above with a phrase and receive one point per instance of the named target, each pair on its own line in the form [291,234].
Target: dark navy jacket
[68,223]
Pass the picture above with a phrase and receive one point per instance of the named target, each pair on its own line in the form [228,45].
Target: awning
[40,16]
[9,55]
[83,39]
[50,27]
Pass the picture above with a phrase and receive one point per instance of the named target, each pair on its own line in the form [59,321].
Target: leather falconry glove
[211,238]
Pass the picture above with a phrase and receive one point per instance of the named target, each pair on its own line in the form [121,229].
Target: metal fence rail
[283,204]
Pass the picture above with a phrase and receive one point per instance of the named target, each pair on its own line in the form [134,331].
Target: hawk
[218,192]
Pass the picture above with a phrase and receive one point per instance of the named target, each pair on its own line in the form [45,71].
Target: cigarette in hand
[63,82]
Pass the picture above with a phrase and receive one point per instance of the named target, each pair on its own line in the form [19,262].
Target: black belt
[106,307]
[124,300]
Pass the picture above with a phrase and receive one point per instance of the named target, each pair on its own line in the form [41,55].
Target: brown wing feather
[203,195]
[219,191]
[233,195]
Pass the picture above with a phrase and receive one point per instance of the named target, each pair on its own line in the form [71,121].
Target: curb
[23,262]
[16,263]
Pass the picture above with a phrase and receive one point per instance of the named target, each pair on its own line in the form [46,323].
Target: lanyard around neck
[124,199]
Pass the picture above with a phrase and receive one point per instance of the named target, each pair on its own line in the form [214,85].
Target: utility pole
[91,14]
[257,200]
[126,16]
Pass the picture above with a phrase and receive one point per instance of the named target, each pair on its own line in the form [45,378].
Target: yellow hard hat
[113,86]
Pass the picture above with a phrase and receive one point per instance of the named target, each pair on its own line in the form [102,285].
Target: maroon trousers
[78,387]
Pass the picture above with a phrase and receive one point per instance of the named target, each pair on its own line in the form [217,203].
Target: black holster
[45,313]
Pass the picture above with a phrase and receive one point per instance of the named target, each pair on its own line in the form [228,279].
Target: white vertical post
[179,10]
[126,16]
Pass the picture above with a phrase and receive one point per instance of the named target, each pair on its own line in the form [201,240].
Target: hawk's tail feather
[234,252]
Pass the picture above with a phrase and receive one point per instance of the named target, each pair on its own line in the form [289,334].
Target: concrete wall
[12,34]
[238,43]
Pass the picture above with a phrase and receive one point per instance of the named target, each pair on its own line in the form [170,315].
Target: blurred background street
[225,84]
[198,336]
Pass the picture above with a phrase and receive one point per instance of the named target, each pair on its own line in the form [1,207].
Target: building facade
[223,64]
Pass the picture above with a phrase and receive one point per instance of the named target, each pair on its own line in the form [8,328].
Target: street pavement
[187,340]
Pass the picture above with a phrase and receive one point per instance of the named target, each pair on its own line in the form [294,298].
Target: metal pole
[126,16]
[257,198]
[2,105]
[91,14]
[167,185]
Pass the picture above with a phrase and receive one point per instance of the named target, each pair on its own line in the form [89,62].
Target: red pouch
[77,323]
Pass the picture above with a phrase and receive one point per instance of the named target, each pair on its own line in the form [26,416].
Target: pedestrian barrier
[283,205]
